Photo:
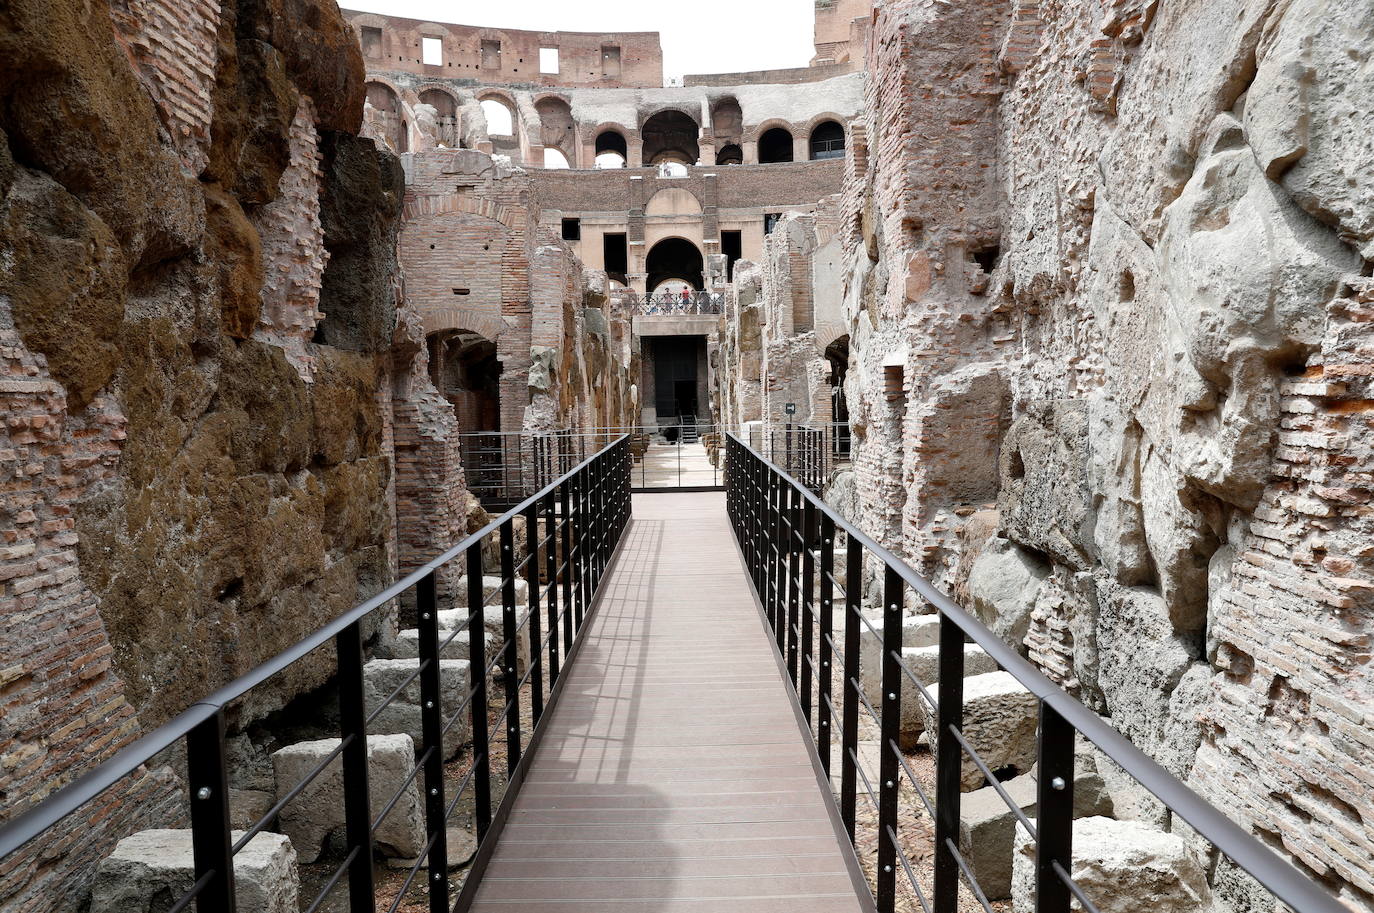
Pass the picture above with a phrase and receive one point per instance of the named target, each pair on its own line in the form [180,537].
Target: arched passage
[500,118]
[387,107]
[837,354]
[611,150]
[465,369]
[447,109]
[556,130]
[730,155]
[775,146]
[671,136]
[827,141]
[675,258]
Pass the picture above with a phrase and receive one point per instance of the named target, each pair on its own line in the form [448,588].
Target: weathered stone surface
[1000,720]
[917,631]
[317,814]
[1123,867]
[924,663]
[383,676]
[150,870]
[1002,587]
[1044,499]
[407,644]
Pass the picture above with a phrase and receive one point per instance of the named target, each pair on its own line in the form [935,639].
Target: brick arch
[444,203]
[435,85]
[458,317]
[752,134]
[669,192]
[646,116]
[819,119]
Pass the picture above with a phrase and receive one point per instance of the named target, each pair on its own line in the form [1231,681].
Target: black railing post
[891,717]
[533,604]
[432,734]
[793,569]
[357,806]
[949,762]
[566,569]
[207,778]
[1054,802]
[510,632]
[808,602]
[825,687]
[578,520]
[551,551]
[480,666]
[849,737]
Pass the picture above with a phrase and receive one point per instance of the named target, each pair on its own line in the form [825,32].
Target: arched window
[610,160]
[556,129]
[611,150]
[554,159]
[500,119]
[730,155]
[671,136]
[827,141]
[447,110]
[675,258]
[387,110]
[775,146]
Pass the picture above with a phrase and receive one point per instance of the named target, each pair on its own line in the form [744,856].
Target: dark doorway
[732,246]
[465,368]
[617,256]
[775,146]
[670,136]
[678,366]
[675,258]
[685,396]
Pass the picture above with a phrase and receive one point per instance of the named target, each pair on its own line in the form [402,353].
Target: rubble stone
[150,870]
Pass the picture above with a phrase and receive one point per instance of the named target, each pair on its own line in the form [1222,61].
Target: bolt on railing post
[1054,804]
[824,687]
[207,777]
[808,603]
[510,655]
[894,597]
[357,807]
[432,737]
[479,667]
[534,602]
[849,739]
[949,762]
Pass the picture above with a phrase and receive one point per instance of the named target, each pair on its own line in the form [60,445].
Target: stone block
[1123,867]
[924,663]
[1000,720]
[402,716]
[318,812]
[1002,586]
[407,644]
[917,631]
[150,870]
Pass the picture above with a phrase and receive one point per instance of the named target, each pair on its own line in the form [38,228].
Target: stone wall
[194,481]
[1105,273]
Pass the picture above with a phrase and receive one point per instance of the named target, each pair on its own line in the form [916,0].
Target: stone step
[402,716]
[1000,722]
[407,644]
[924,663]
[160,863]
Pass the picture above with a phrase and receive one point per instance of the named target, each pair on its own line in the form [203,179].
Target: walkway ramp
[674,774]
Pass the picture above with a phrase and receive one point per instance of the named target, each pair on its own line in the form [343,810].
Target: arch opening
[611,150]
[464,367]
[556,129]
[500,118]
[827,141]
[671,136]
[554,159]
[676,258]
[446,110]
[386,116]
[730,155]
[775,146]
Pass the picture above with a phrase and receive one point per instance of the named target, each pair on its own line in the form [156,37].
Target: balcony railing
[676,303]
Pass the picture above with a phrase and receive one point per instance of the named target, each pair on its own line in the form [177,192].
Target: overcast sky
[699,36]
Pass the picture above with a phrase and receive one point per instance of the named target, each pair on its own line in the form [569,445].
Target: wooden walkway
[674,775]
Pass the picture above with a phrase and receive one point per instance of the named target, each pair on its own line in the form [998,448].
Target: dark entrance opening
[675,258]
[775,146]
[615,250]
[732,246]
[465,368]
[837,353]
[679,364]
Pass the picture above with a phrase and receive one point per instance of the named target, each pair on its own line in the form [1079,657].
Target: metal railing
[789,539]
[671,304]
[572,529]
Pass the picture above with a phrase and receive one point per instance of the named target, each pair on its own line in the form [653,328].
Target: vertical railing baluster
[510,664]
[357,806]
[824,687]
[579,552]
[479,668]
[808,603]
[793,570]
[566,566]
[1054,802]
[849,736]
[207,777]
[533,603]
[778,560]
[551,573]
[948,763]
[891,718]
[432,738]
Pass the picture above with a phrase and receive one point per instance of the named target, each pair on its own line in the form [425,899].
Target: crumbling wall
[1115,256]
[188,493]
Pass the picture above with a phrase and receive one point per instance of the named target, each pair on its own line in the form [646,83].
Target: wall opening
[491,54]
[730,155]
[548,61]
[572,229]
[464,367]
[611,150]
[894,383]
[432,52]
[555,159]
[679,377]
[372,41]
[775,146]
[732,246]
[447,111]
[671,136]
[556,128]
[500,119]
[615,254]
[770,221]
[610,61]
[388,107]
[675,258]
[986,257]
[837,354]
[827,141]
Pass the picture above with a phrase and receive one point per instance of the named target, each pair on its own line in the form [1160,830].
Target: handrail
[1277,875]
[595,484]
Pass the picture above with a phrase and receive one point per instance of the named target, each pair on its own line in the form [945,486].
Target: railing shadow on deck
[789,538]
[573,527]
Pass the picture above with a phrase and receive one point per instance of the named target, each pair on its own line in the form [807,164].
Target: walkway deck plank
[673,775]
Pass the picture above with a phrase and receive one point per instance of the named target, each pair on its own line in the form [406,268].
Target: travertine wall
[1117,254]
